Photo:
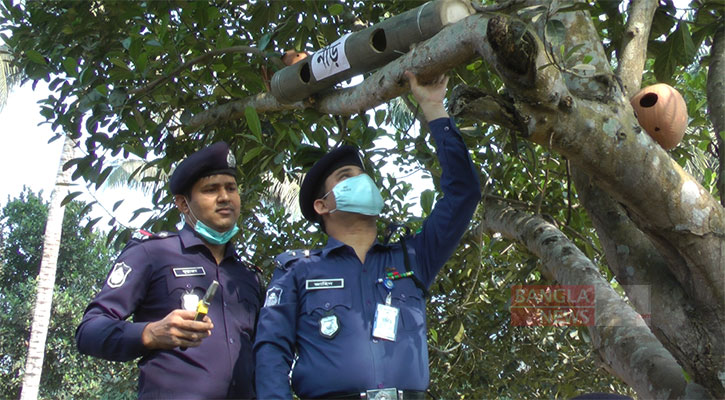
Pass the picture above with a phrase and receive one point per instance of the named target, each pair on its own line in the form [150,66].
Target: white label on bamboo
[330,60]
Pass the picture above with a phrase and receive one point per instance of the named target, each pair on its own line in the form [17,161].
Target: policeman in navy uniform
[159,279]
[352,315]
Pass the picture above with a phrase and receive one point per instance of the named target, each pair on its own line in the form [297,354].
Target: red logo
[552,305]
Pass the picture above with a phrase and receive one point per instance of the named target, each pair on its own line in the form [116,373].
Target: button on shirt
[344,358]
[149,280]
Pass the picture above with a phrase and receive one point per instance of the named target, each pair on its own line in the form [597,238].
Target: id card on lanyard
[385,324]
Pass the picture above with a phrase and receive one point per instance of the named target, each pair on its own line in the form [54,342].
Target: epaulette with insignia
[286,259]
[142,235]
[252,267]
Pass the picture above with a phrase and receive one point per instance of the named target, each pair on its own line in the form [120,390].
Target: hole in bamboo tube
[378,41]
[305,73]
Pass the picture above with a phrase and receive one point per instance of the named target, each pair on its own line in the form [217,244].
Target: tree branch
[451,47]
[716,102]
[473,103]
[619,333]
[643,274]
[635,171]
[634,44]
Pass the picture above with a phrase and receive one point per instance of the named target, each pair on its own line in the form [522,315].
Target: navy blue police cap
[315,178]
[212,160]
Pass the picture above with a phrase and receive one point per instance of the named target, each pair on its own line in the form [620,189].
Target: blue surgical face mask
[211,235]
[358,194]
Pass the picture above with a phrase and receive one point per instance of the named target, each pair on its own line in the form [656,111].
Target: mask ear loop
[327,194]
[190,212]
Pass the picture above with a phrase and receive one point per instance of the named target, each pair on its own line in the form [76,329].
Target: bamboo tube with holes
[365,50]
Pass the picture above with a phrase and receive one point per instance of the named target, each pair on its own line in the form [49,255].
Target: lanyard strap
[406,260]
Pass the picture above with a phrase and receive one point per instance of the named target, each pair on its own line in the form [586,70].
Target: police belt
[382,394]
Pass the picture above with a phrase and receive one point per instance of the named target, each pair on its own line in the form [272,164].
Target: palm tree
[46,277]
[9,75]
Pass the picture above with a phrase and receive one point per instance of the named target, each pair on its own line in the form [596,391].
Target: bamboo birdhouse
[365,50]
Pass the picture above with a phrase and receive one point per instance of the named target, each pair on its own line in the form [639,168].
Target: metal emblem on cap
[231,160]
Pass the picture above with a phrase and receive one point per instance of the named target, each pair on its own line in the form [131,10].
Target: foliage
[116,71]
[82,265]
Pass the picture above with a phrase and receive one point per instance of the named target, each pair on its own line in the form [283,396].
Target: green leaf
[250,113]
[335,9]
[665,63]
[35,57]
[102,177]
[70,65]
[264,41]
[426,201]
[117,204]
[67,199]
[379,117]
[682,40]
[555,32]
[459,336]
[251,154]
[120,63]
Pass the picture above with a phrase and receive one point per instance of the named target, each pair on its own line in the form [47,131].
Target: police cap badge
[211,160]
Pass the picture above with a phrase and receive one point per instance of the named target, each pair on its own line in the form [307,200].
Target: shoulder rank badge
[141,234]
[329,326]
[118,275]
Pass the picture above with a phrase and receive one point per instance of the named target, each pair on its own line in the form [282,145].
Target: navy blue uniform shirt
[309,286]
[149,280]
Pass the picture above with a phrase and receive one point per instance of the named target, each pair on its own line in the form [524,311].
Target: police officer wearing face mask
[351,316]
[160,279]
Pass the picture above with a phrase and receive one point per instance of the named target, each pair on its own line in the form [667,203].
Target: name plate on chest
[189,271]
[318,284]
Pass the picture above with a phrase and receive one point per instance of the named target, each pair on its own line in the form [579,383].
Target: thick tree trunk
[619,334]
[693,337]
[46,279]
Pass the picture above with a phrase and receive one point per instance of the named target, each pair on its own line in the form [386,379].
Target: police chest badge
[329,326]
[274,295]
[118,276]
[189,301]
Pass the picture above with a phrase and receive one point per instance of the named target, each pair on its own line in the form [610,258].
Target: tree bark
[634,44]
[46,278]
[601,136]
[619,334]
[691,335]
[716,102]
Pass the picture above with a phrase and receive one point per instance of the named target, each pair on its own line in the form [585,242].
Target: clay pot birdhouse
[291,57]
[661,111]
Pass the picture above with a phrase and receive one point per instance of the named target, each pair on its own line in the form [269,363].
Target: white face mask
[358,194]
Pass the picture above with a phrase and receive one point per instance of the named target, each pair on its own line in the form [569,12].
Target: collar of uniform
[189,238]
[333,244]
